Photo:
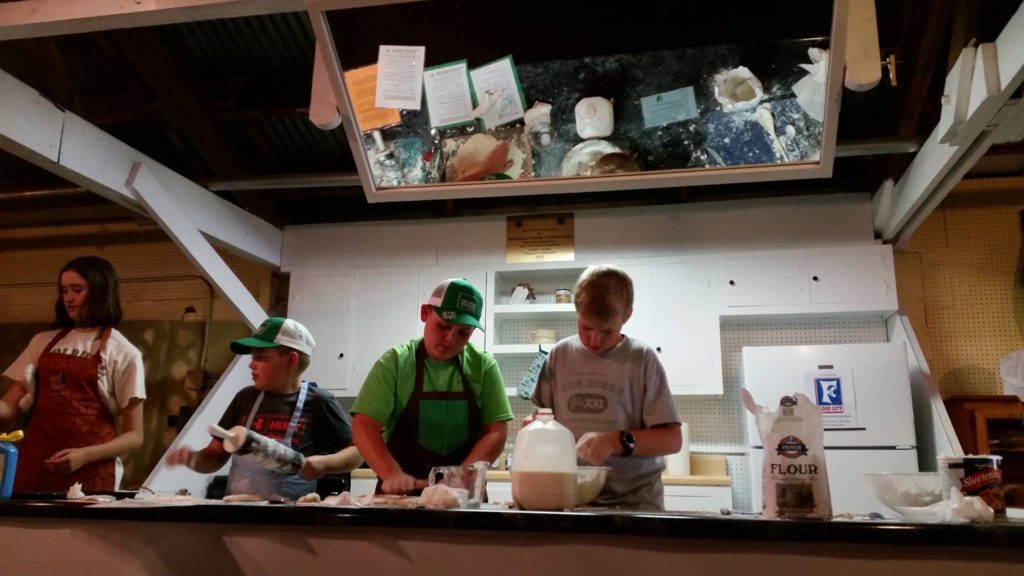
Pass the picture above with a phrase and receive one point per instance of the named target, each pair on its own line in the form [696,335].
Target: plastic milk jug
[544,476]
[8,462]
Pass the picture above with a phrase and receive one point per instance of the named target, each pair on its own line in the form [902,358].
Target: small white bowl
[589,481]
[905,489]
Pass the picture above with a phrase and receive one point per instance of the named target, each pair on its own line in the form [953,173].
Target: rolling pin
[253,446]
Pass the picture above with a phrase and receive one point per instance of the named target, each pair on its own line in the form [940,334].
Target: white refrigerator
[864,394]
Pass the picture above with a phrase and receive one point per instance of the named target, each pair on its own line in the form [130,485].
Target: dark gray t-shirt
[323,427]
[623,389]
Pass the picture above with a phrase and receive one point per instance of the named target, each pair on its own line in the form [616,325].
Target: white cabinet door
[385,313]
[697,498]
[769,281]
[639,324]
[430,279]
[848,278]
[323,303]
[685,328]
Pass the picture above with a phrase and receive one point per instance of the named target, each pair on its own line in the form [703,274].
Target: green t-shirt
[390,382]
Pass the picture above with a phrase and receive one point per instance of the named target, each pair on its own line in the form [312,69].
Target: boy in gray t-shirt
[612,392]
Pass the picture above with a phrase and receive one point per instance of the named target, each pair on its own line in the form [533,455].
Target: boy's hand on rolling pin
[313,467]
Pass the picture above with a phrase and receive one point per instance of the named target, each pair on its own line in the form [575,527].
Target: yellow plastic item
[12,436]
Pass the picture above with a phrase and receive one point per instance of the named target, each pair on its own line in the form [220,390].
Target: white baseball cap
[277,332]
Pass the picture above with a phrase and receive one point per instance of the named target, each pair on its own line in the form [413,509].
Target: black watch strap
[628,443]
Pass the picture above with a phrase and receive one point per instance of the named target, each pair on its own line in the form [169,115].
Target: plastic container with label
[8,462]
[974,475]
[544,476]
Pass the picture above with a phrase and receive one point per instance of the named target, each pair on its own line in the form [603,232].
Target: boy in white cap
[433,401]
[282,407]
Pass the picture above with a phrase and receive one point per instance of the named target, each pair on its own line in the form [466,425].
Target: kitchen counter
[238,539]
[706,470]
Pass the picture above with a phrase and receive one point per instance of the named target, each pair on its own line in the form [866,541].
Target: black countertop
[1000,534]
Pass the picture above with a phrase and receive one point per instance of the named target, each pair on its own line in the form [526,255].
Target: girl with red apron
[68,413]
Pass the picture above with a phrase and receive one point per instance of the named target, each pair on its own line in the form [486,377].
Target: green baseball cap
[457,301]
[277,332]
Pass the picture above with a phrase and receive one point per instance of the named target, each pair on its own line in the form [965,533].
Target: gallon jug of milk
[544,475]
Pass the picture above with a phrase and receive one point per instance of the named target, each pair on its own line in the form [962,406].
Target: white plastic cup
[678,464]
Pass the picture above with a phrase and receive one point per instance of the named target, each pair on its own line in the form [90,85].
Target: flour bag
[794,480]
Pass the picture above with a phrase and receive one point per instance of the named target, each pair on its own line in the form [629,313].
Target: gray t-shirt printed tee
[624,388]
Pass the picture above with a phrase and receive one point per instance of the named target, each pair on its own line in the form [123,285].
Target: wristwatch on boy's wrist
[628,442]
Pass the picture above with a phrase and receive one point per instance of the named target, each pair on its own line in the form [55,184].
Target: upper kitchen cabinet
[489,99]
[851,278]
[686,334]
[824,281]
[322,301]
[762,281]
[354,318]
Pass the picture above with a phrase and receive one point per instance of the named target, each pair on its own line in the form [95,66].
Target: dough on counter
[440,496]
[347,499]
[243,498]
[75,492]
[311,498]
[396,501]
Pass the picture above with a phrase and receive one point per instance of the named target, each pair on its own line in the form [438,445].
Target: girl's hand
[67,460]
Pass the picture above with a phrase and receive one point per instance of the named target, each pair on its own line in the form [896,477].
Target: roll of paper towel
[678,464]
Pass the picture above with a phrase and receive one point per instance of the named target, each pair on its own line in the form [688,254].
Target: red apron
[68,413]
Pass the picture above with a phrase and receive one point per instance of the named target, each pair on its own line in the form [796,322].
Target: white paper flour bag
[794,481]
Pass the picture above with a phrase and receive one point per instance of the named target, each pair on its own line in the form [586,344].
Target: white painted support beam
[882,202]
[167,479]
[985,94]
[1008,122]
[163,208]
[932,426]
[967,157]
[36,130]
[956,95]
[939,166]
[161,205]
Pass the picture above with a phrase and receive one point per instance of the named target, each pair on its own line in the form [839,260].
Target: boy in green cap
[438,400]
[282,407]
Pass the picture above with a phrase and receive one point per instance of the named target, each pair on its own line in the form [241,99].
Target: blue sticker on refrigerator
[835,395]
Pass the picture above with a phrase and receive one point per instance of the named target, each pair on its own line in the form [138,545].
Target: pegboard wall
[157,282]
[968,265]
[716,422]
